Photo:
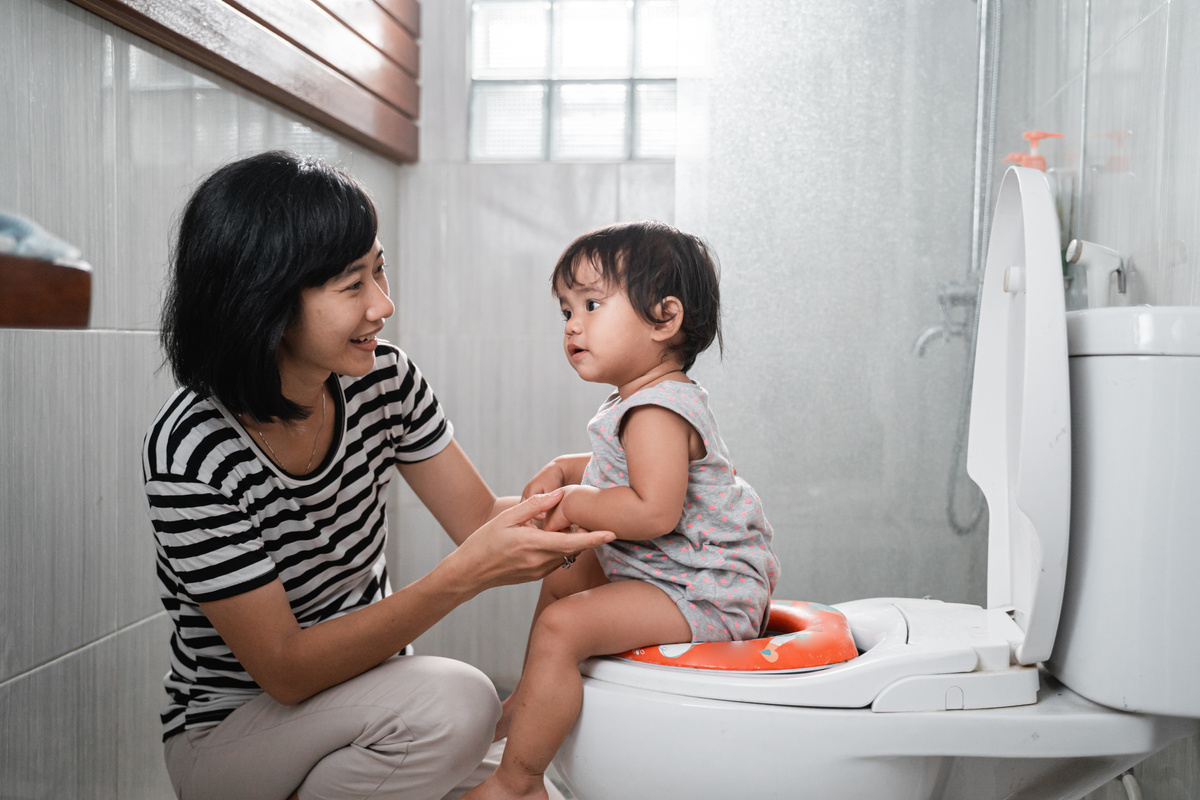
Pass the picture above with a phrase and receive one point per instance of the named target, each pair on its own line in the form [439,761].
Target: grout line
[78,650]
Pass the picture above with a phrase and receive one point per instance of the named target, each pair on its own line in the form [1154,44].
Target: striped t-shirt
[227,520]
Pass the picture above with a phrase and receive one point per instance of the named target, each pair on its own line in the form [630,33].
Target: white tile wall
[104,136]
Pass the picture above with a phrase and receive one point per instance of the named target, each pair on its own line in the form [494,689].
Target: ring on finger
[569,560]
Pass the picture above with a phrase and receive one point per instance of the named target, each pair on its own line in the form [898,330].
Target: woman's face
[338,321]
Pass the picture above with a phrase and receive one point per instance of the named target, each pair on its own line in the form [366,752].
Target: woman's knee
[460,707]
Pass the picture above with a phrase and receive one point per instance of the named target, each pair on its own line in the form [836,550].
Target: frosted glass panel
[654,111]
[657,47]
[507,121]
[510,40]
[590,123]
[594,39]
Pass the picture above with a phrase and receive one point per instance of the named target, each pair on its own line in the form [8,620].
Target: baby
[692,560]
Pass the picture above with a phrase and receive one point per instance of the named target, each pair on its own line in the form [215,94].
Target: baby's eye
[592,305]
[566,312]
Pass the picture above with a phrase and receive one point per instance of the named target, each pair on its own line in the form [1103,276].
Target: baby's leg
[607,619]
[585,573]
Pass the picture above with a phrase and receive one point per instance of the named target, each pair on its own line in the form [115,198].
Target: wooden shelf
[44,294]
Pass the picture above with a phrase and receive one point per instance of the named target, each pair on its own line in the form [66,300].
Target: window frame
[552,84]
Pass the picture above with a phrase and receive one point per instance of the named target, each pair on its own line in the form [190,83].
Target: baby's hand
[548,478]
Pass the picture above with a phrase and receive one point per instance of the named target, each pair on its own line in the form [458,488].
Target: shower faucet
[951,296]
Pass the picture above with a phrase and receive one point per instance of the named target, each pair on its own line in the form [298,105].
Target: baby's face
[604,338]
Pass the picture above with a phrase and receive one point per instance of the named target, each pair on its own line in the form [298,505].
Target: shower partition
[826,153]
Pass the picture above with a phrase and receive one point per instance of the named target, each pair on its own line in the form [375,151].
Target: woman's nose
[381,306]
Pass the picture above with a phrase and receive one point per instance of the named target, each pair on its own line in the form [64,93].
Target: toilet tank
[1129,630]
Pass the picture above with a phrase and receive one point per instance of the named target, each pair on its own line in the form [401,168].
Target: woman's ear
[671,311]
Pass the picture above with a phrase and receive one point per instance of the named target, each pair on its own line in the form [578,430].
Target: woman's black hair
[253,235]
[652,261]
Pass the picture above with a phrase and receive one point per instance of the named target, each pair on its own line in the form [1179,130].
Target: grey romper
[717,565]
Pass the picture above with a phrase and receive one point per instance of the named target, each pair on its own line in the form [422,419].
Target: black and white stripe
[227,520]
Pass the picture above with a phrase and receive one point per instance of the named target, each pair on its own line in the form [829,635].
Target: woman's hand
[292,663]
[556,519]
[510,549]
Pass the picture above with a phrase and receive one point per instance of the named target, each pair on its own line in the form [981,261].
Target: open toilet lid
[1019,448]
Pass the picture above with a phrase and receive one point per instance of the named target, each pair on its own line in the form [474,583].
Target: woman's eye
[592,305]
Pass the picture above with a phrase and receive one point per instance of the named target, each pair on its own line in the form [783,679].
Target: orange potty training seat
[802,636]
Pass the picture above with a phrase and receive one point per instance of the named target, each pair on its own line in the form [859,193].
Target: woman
[266,478]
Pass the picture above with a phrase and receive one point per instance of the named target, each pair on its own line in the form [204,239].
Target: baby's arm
[656,443]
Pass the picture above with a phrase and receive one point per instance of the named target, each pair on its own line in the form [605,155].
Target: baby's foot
[494,788]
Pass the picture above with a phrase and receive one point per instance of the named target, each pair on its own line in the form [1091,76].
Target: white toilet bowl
[947,700]
[639,743]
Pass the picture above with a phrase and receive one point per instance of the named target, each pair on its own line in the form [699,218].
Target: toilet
[1085,661]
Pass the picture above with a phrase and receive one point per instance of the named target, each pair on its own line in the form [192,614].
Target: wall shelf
[44,294]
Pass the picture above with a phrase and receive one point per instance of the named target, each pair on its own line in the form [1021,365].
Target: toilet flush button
[954,699]
[1014,280]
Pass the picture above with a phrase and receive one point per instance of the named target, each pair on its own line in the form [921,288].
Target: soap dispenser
[1032,159]
[1062,181]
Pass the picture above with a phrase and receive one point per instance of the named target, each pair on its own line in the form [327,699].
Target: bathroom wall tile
[79,559]
[486,237]
[1179,234]
[57,728]
[445,82]
[142,660]
[646,190]
[161,108]
[1063,113]
[1113,20]
[1123,152]
[59,450]
[1056,38]
[54,96]
[138,389]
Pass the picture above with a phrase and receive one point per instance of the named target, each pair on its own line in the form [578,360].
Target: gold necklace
[316,439]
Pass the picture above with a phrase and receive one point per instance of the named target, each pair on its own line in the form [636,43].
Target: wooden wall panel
[387,32]
[350,65]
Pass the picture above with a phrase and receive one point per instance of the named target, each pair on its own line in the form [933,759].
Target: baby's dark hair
[652,261]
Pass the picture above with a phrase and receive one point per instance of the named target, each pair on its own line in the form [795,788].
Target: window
[573,79]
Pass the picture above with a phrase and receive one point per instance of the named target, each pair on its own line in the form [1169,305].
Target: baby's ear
[671,311]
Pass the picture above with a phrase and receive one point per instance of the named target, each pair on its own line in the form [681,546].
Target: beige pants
[413,727]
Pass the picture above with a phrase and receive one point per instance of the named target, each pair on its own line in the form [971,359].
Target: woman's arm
[454,492]
[657,445]
[291,663]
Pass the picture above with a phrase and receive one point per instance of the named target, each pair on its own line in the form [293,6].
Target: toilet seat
[805,636]
[918,655]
